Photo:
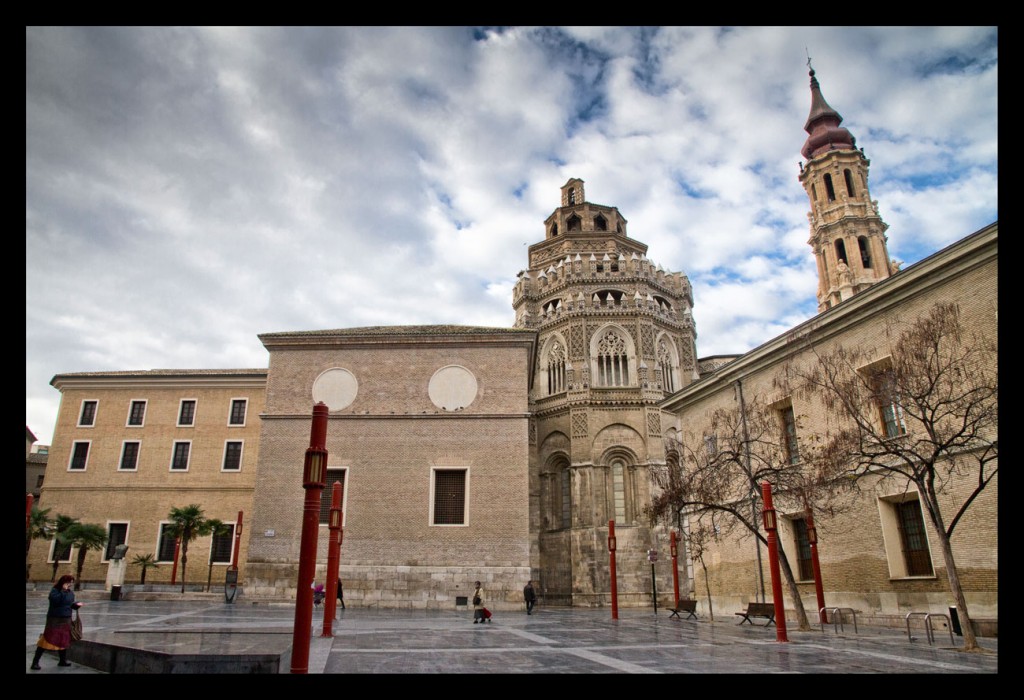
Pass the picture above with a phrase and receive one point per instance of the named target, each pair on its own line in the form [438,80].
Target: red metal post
[819,590]
[314,477]
[673,547]
[611,553]
[771,528]
[333,558]
[174,568]
[238,541]
[29,498]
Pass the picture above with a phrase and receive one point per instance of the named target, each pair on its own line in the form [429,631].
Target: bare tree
[698,535]
[718,474]
[926,416]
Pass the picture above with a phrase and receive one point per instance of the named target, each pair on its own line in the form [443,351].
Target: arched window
[666,363]
[865,253]
[849,181]
[554,229]
[829,189]
[841,251]
[619,490]
[612,360]
[556,368]
[814,192]
[573,223]
[600,223]
[572,197]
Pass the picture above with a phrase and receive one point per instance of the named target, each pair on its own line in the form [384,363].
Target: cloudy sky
[190,188]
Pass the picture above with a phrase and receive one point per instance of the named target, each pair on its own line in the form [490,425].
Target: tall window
[449,497]
[117,533]
[829,189]
[60,551]
[619,490]
[88,416]
[666,364]
[165,547]
[789,441]
[221,547]
[334,476]
[612,360]
[79,456]
[556,368]
[179,459]
[848,176]
[137,413]
[566,498]
[232,455]
[237,412]
[886,397]
[865,253]
[912,536]
[129,455]
[187,412]
[803,549]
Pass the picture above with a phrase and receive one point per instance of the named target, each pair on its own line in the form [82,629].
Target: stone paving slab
[551,641]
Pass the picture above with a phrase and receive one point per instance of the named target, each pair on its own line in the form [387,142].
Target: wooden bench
[766,610]
[686,606]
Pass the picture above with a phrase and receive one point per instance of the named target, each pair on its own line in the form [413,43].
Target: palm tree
[39,526]
[85,536]
[60,525]
[146,561]
[187,524]
[217,527]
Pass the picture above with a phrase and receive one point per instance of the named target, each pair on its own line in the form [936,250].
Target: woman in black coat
[56,635]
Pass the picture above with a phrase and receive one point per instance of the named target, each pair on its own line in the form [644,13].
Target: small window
[60,552]
[39,481]
[222,546]
[187,412]
[237,412]
[829,188]
[179,458]
[449,501]
[865,253]
[87,418]
[79,456]
[333,476]
[129,456]
[803,549]
[137,413]
[841,251]
[167,544]
[117,533]
[600,223]
[573,223]
[232,456]
[789,441]
[849,181]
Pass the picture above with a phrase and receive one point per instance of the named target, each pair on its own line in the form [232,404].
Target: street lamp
[611,556]
[819,589]
[771,528]
[674,550]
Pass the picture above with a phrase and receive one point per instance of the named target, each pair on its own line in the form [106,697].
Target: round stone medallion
[452,387]
[336,387]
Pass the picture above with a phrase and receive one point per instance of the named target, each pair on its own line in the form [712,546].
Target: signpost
[652,556]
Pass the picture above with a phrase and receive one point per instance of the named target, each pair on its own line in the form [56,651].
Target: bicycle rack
[929,632]
[837,618]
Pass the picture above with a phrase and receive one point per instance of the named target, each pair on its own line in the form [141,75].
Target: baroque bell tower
[847,233]
[615,335]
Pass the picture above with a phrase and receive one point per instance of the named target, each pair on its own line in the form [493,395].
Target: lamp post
[231,575]
[333,558]
[771,527]
[673,548]
[611,554]
[314,477]
[652,556]
[812,539]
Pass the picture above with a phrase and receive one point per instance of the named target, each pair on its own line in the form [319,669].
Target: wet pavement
[551,641]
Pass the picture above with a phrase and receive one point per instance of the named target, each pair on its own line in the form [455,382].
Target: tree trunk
[184,560]
[798,604]
[707,587]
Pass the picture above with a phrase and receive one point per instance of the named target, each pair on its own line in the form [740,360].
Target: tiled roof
[169,373]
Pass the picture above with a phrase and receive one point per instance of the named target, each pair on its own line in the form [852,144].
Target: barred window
[449,497]
[790,445]
[129,456]
[803,549]
[333,476]
[165,547]
[912,535]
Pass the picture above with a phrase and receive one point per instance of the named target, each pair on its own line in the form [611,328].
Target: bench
[686,606]
[766,610]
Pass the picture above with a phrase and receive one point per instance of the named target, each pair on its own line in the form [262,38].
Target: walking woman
[56,635]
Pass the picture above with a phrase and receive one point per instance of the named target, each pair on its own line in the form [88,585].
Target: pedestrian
[530,596]
[56,635]
[341,595]
[318,594]
[478,605]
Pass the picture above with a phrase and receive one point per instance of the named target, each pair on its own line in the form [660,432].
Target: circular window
[336,387]
[452,388]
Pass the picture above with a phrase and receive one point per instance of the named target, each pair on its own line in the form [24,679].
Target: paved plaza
[551,641]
